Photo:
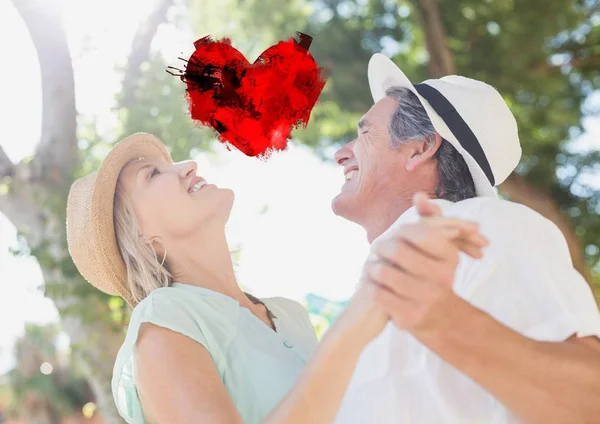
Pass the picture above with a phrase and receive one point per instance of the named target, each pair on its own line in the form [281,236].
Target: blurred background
[77,75]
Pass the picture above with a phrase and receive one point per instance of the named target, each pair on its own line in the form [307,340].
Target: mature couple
[437,331]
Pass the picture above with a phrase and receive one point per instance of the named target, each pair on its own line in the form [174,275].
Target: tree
[33,196]
[471,31]
[544,63]
[540,55]
[44,385]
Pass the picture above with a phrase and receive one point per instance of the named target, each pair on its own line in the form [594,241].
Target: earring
[165,249]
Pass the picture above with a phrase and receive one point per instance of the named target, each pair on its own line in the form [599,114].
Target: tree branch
[140,51]
[545,68]
[23,213]
[57,153]
[441,61]
[7,168]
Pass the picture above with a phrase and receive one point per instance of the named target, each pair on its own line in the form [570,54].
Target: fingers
[472,246]
[430,244]
[406,257]
[425,207]
[428,209]
[476,239]
[389,301]
[397,281]
[429,241]
[465,227]
[442,227]
[475,252]
[421,264]
[415,231]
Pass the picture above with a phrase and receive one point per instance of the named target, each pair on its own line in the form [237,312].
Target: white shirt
[526,281]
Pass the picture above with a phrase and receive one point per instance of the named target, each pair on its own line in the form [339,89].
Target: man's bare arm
[540,382]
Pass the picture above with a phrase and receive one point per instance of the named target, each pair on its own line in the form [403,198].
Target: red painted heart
[253,106]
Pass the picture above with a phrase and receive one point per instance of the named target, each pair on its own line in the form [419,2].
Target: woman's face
[171,201]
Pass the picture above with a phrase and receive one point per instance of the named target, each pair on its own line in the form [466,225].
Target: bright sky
[297,246]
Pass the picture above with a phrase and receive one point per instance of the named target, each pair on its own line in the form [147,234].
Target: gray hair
[410,123]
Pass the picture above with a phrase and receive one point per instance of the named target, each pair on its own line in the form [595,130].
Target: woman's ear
[145,240]
[423,151]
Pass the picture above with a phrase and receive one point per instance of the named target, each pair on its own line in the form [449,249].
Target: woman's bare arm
[178,382]
[318,393]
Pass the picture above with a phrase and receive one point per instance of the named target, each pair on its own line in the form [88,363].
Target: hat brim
[102,205]
[384,74]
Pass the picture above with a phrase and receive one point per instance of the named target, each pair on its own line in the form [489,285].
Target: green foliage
[160,109]
[323,312]
[62,391]
[542,56]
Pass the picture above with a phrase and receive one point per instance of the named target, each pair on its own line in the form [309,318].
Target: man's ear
[423,151]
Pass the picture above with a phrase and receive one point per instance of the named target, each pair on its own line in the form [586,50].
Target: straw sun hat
[90,230]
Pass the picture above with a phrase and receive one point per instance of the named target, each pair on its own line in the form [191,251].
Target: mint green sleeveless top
[257,365]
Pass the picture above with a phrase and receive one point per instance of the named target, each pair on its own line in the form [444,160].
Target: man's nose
[343,154]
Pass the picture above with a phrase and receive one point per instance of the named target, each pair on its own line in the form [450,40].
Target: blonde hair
[144,270]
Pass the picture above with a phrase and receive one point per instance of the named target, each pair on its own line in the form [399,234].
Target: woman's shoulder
[206,319]
[182,300]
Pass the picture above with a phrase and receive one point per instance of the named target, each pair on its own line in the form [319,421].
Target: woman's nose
[188,168]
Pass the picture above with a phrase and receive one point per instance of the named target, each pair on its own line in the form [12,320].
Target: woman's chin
[229,192]
[214,203]
[229,196]
[227,204]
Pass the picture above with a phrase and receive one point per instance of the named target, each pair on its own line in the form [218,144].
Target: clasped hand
[411,268]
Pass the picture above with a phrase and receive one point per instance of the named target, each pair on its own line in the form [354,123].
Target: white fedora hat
[471,115]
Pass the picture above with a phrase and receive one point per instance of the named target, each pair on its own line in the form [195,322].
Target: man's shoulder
[513,224]
[497,211]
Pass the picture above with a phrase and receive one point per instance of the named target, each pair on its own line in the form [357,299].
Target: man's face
[374,170]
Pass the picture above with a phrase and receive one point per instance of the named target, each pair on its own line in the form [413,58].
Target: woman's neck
[205,261]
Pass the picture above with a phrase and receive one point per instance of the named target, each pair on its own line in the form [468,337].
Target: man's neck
[381,221]
[382,218]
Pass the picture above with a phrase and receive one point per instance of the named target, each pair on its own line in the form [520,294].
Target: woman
[197,348]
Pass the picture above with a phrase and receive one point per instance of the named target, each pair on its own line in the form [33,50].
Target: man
[512,337]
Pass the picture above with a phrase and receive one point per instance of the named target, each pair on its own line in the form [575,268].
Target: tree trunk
[516,187]
[95,341]
[56,154]
[94,355]
[45,181]
[441,60]
[140,51]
